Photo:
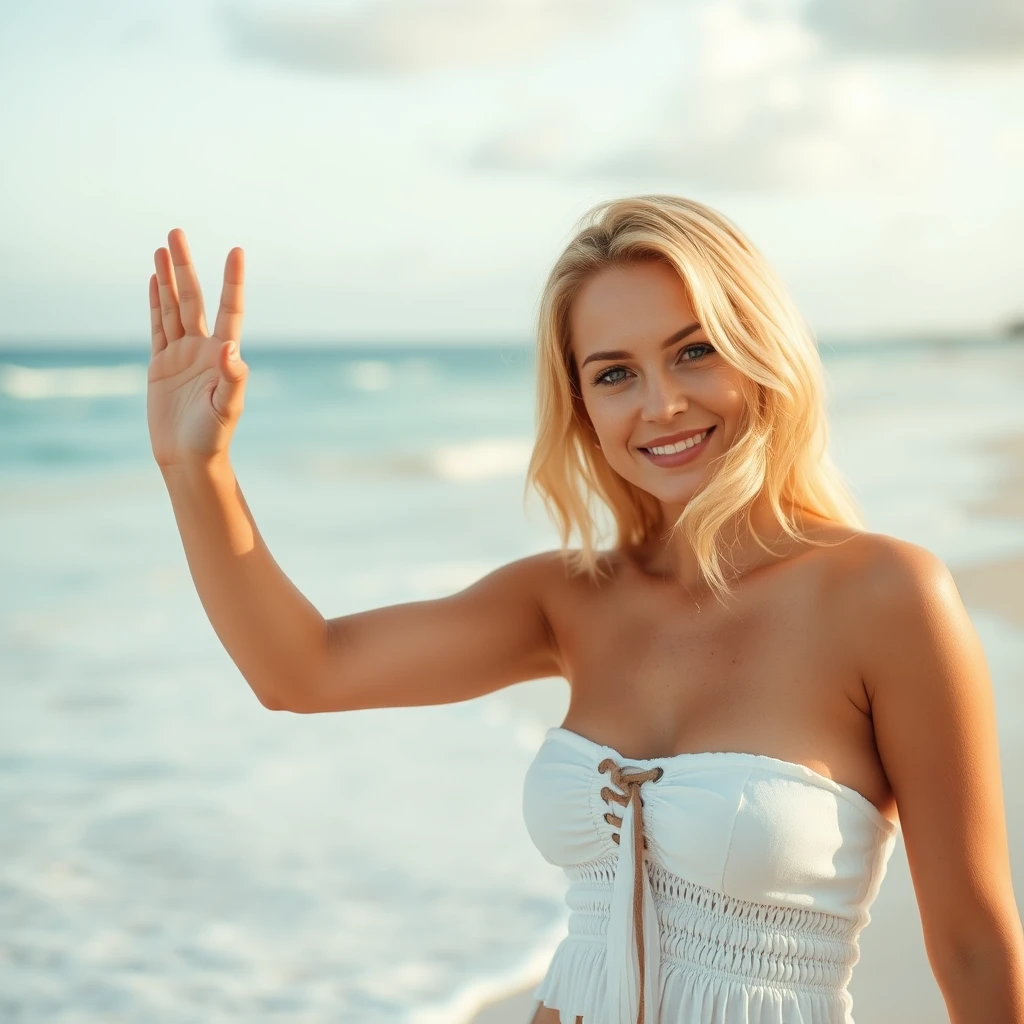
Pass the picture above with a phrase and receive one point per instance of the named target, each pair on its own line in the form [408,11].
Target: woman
[762,692]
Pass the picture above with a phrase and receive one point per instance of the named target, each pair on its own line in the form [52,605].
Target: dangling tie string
[631,784]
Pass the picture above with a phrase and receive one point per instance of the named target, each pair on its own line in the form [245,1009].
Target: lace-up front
[730,889]
[632,783]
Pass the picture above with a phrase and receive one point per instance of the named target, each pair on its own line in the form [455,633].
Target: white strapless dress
[739,900]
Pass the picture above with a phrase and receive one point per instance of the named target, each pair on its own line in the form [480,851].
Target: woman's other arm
[934,719]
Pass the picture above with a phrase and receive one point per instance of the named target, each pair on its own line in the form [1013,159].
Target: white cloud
[941,28]
[410,36]
[763,106]
[542,142]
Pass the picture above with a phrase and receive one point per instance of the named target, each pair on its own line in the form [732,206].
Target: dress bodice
[748,874]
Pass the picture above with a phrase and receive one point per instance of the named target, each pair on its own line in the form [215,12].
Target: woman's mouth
[670,458]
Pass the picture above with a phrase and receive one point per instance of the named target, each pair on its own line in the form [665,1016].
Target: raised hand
[196,391]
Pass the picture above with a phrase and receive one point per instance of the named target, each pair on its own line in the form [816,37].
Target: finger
[158,339]
[232,303]
[169,315]
[229,395]
[193,316]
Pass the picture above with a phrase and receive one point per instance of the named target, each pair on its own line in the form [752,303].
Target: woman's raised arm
[426,652]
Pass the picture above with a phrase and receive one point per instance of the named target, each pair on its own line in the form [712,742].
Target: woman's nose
[663,398]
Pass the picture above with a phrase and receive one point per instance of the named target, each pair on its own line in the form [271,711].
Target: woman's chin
[672,501]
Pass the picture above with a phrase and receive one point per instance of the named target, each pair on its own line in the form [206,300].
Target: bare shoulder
[533,582]
[891,600]
[546,575]
[891,560]
[874,572]
[558,571]
[569,596]
[548,579]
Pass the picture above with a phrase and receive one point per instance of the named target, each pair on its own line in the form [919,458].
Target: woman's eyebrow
[619,354]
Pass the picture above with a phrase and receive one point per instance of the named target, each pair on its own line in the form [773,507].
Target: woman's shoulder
[567,568]
[861,569]
[872,561]
[873,577]
[569,586]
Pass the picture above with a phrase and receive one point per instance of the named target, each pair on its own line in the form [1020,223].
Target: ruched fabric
[739,900]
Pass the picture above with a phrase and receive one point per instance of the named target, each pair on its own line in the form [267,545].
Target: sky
[405,170]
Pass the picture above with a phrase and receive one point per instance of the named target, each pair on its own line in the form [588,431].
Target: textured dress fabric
[738,900]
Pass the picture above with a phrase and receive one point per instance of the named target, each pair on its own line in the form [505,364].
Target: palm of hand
[195,394]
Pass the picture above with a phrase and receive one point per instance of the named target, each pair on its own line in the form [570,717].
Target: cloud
[763,107]
[409,36]
[805,126]
[802,130]
[540,142]
[807,143]
[942,28]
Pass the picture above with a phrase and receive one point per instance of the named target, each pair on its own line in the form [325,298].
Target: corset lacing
[631,784]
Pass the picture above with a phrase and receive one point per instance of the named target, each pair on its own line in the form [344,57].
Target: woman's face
[650,378]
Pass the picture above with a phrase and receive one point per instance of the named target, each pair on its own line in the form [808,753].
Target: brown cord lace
[631,783]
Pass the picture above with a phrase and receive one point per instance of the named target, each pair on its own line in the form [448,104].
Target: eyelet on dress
[615,839]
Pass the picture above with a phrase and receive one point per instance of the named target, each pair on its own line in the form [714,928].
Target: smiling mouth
[647,451]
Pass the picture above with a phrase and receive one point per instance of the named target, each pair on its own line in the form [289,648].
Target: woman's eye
[608,376]
[690,348]
[604,377]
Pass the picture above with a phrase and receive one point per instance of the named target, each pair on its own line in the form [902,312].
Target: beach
[174,853]
[893,983]
[997,585]
[419,247]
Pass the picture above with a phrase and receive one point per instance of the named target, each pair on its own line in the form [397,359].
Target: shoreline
[514,1009]
[995,584]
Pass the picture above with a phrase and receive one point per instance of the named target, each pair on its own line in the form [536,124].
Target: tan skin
[856,659]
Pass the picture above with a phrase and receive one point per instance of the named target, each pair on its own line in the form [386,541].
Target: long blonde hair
[780,449]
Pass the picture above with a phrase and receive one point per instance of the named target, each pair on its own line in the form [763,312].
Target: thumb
[229,394]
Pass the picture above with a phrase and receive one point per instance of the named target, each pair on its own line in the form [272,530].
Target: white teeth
[670,449]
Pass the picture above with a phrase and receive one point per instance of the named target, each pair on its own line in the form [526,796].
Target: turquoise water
[171,851]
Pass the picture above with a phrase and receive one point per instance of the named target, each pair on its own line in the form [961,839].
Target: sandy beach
[893,983]
[998,586]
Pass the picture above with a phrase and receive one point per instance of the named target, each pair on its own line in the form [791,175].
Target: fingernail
[233,352]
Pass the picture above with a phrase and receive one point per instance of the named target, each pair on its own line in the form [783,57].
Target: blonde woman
[762,691]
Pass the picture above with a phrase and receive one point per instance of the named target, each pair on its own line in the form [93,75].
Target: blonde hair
[746,312]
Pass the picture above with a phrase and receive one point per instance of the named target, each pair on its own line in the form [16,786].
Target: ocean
[171,851]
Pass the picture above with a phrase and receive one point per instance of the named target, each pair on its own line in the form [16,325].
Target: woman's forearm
[271,631]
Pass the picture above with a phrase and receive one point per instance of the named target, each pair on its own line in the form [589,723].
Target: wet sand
[893,983]
[998,586]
